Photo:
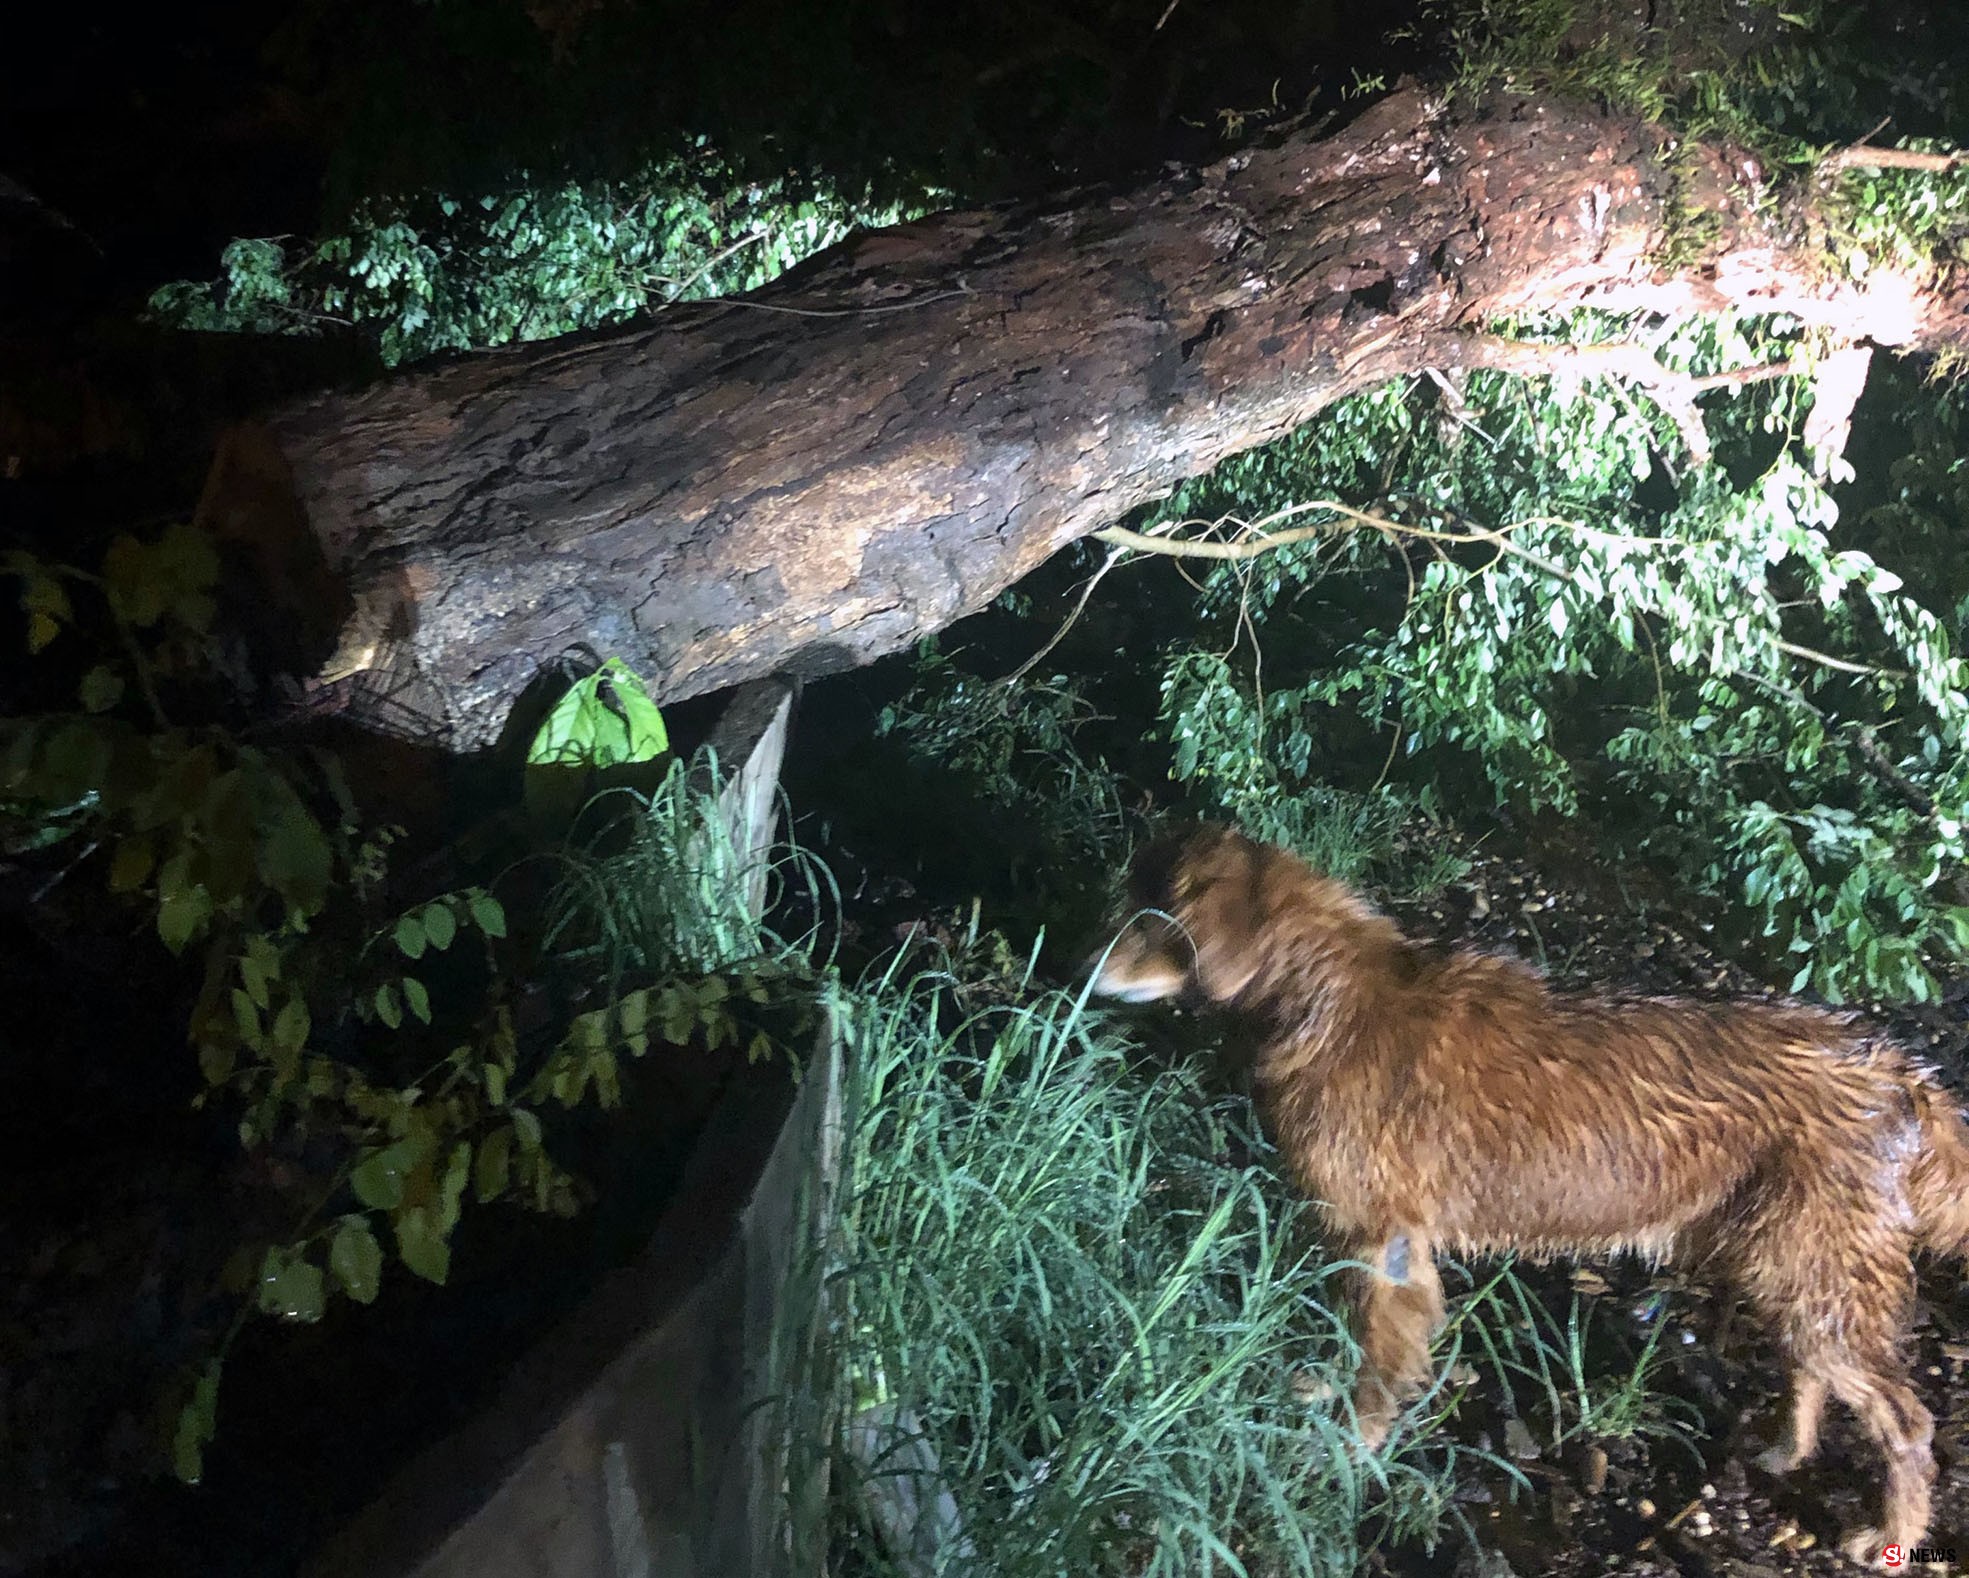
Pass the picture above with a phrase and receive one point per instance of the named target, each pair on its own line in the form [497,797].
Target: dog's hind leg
[1938,1182]
[1399,1306]
[1829,1268]
[1808,1389]
[1904,1430]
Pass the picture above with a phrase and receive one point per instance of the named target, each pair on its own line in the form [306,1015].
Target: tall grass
[1072,1294]
[1552,1367]
[660,887]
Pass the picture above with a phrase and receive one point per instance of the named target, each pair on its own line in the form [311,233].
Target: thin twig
[710,263]
[1841,665]
[1894,159]
[1115,556]
[847,312]
[1261,541]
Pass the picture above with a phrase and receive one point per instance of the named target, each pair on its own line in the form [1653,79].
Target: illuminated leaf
[411,940]
[605,719]
[197,1422]
[291,1286]
[439,925]
[421,1243]
[294,856]
[183,906]
[488,914]
[378,1178]
[451,1192]
[356,1259]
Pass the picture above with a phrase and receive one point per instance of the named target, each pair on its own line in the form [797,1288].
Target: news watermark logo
[1898,1558]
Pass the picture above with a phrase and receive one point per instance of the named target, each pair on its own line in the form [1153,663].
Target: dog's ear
[1218,904]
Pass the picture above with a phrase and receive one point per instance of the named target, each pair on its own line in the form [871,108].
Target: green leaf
[493,1170]
[183,906]
[451,1192]
[378,1178]
[418,999]
[259,967]
[440,925]
[295,859]
[43,599]
[421,1243]
[246,1015]
[678,1011]
[101,689]
[216,1061]
[488,913]
[410,937]
[606,718]
[389,1008]
[356,1259]
[632,1019]
[197,1422]
[291,1025]
[291,1286]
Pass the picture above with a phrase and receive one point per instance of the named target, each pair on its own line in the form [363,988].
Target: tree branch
[1894,159]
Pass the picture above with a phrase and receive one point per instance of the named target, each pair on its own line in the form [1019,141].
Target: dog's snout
[1142,963]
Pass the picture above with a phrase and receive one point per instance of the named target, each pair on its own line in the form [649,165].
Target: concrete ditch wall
[632,1443]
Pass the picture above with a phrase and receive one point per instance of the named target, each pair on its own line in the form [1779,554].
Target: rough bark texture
[885,438]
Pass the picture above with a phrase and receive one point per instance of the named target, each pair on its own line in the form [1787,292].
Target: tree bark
[882,440]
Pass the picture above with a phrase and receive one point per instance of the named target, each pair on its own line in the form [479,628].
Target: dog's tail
[1938,1184]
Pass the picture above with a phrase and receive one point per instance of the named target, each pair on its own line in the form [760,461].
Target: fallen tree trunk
[882,440]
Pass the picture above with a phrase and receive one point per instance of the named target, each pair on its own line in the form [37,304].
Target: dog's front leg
[1399,1306]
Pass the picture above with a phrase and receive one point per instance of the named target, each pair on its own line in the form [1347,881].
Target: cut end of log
[290,600]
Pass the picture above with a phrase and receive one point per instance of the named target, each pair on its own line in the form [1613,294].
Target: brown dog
[1460,1103]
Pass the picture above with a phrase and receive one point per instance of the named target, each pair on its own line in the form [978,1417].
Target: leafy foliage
[379,1043]
[1021,742]
[604,719]
[1543,1364]
[438,273]
[1260,777]
[1779,79]
[1677,646]
[1710,70]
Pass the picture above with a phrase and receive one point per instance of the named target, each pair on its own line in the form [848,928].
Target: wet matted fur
[1459,1103]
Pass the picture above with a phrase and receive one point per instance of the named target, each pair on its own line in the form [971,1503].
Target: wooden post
[741,766]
